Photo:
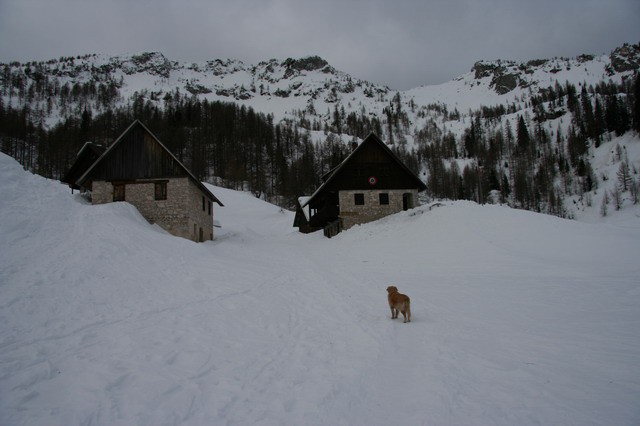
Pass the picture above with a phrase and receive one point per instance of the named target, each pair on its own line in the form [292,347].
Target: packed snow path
[518,318]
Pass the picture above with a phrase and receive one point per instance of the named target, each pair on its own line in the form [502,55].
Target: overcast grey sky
[400,43]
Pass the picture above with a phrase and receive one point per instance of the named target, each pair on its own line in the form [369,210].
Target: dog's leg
[407,313]
[394,313]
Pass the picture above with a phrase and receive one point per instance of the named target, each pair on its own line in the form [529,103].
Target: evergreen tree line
[46,94]
[530,166]
[219,142]
[524,164]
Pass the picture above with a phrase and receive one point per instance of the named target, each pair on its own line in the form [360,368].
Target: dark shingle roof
[371,138]
[86,175]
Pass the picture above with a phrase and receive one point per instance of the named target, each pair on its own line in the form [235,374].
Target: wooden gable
[138,155]
[372,165]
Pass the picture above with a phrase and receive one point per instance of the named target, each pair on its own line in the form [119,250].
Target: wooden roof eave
[87,149]
[199,184]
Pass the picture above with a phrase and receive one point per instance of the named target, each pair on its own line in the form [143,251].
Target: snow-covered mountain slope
[285,88]
[503,82]
[606,161]
[274,87]
[518,318]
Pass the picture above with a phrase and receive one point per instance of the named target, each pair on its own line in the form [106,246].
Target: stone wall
[181,214]
[101,192]
[200,214]
[353,214]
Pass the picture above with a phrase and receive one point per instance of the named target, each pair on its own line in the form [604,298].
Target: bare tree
[616,194]
[624,176]
[634,188]
[604,207]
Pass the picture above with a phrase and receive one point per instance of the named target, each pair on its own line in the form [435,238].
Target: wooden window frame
[160,191]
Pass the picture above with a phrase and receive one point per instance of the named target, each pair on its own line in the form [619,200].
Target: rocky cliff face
[625,58]
[505,76]
[227,78]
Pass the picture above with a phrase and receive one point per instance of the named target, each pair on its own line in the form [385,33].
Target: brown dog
[399,303]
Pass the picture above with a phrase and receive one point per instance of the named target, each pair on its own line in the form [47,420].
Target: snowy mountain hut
[369,184]
[139,169]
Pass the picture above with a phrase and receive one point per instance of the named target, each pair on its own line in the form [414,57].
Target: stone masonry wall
[181,214]
[101,192]
[199,216]
[353,214]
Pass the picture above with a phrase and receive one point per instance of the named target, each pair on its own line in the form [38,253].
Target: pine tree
[611,113]
[576,146]
[572,98]
[523,137]
[600,125]
[616,116]
[588,120]
[471,141]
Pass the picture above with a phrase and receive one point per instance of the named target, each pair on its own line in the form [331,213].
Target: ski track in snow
[518,318]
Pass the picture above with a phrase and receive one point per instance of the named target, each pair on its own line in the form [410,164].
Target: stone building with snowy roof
[139,169]
[371,183]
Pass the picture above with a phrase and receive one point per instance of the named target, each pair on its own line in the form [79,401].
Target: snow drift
[518,318]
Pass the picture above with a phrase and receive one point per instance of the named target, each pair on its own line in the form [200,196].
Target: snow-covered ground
[518,318]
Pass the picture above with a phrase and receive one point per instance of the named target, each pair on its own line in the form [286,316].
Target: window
[118,192]
[384,198]
[358,199]
[161,190]
[210,207]
[203,204]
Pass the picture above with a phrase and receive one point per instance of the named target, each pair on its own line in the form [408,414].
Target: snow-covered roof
[303,204]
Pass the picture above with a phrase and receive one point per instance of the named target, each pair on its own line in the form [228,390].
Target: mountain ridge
[621,59]
[298,84]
